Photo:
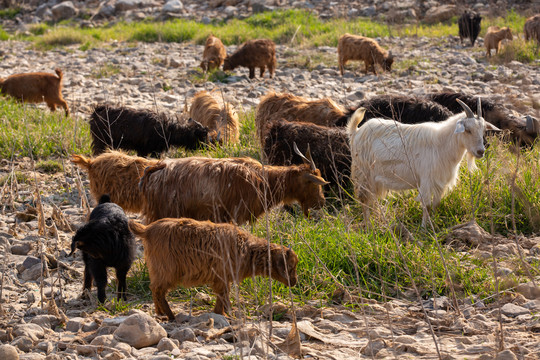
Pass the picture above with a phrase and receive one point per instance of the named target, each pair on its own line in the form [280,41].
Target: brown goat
[227,190]
[214,54]
[494,36]
[220,118]
[253,53]
[324,112]
[532,28]
[354,47]
[192,253]
[117,174]
[35,88]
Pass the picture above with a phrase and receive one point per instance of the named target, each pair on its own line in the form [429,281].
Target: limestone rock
[440,13]
[8,352]
[173,6]
[63,11]
[140,330]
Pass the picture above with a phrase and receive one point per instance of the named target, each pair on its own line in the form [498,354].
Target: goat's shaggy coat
[219,117]
[469,26]
[35,88]
[144,131]
[259,53]
[532,28]
[226,190]
[355,47]
[214,54]
[191,253]
[387,155]
[116,174]
[493,38]
[521,130]
[289,107]
[329,148]
[105,241]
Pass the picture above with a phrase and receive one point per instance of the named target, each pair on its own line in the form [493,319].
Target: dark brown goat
[192,253]
[35,88]
[532,28]
[227,190]
[259,53]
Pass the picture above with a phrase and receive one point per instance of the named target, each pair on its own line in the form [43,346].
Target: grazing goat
[35,88]
[259,53]
[493,38]
[227,190]
[192,253]
[144,131]
[289,107]
[523,131]
[214,54]
[354,47]
[116,174]
[532,28]
[105,242]
[329,148]
[387,155]
[469,26]
[219,117]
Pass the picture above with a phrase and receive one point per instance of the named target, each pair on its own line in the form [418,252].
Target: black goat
[144,131]
[522,130]
[105,241]
[329,148]
[469,26]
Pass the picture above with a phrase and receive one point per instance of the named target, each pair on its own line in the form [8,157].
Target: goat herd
[191,205]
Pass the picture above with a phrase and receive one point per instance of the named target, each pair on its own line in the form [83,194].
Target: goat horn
[479,108]
[467,109]
[532,125]
[310,158]
[299,153]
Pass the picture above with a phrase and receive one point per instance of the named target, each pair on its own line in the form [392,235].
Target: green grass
[9,13]
[49,166]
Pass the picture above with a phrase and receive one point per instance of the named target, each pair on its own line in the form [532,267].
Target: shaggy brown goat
[354,47]
[532,28]
[493,38]
[227,190]
[274,106]
[117,174]
[220,118]
[35,88]
[253,53]
[191,253]
[213,55]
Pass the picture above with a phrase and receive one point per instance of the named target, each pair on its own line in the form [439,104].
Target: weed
[117,306]
[9,13]
[16,177]
[49,166]
[105,70]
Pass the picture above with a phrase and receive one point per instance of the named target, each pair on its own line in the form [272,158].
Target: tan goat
[190,253]
[117,174]
[214,54]
[35,88]
[494,36]
[219,117]
[355,47]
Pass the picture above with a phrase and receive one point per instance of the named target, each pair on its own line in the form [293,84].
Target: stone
[440,13]
[30,261]
[373,347]
[368,11]
[167,344]
[184,334]
[173,6]
[220,321]
[513,310]
[124,5]
[8,352]
[22,248]
[33,331]
[140,330]
[46,321]
[33,273]
[529,291]
[74,324]
[63,11]
[23,343]
[506,355]
[42,11]
[106,10]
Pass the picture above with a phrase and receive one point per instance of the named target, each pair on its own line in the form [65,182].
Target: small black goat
[522,130]
[144,131]
[105,241]
[329,148]
[469,26]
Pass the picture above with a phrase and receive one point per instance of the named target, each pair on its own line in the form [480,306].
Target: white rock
[173,6]
[33,331]
[140,330]
[8,352]
[513,310]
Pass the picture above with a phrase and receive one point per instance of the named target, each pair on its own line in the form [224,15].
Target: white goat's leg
[424,196]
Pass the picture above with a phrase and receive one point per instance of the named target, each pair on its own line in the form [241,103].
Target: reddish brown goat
[354,47]
[532,28]
[192,253]
[324,112]
[214,54]
[227,190]
[117,174]
[35,88]
[493,38]
[259,53]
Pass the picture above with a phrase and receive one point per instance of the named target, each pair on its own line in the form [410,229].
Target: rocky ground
[165,76]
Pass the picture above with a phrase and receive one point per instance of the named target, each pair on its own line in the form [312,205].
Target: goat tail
[137,228]
[148,171]
[59,73]
[81,161]
[355,120]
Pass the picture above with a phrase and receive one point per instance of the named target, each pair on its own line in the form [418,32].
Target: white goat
[387,155]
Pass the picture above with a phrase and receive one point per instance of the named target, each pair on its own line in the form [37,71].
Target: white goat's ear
[490,127]
[460,127]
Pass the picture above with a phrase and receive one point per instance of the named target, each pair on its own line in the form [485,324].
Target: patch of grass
[10,13]
[517,49]
[61,36]
[117,306]
[38,29]
[105,70]
[3,35]
[216,75]
[49,166]
[15,177]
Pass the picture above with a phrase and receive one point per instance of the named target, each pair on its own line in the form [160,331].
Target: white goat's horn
[479,108]
[299,153]
[467,109]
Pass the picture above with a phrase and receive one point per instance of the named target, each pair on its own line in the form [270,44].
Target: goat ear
[490,127]
[460,127]
[317,180]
